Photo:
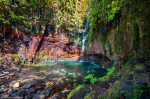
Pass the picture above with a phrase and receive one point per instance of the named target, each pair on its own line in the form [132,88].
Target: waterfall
[83,33]
[103,56]
[83,40]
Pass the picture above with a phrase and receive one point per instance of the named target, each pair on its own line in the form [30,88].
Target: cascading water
[83,40]
[103,56]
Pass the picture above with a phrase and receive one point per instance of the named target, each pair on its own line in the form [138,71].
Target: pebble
[65,91]
[5,70]
[1,84]
[5,73]
[7,77]
[1,75]
[36,96]
[38,87]
[1,91]
[28,97]
[12,74]
[54,97]
[4,87]
[46,83]
[16,69]
[11,70]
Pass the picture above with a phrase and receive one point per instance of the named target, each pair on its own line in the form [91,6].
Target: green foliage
[27,14]
[45,58]
[111,70]
[100,14]
[108,45]
[92,78]
[136,93]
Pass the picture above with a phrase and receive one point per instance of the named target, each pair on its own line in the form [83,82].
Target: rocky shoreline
[26,89]
[124,82]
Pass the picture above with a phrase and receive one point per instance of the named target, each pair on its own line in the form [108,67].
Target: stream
[57,75]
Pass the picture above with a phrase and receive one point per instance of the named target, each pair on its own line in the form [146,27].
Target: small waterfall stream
[83,40]
[103,54]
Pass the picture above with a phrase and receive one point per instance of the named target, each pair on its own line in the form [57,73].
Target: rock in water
[14,84]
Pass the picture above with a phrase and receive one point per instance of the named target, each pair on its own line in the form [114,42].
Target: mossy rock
[75,91]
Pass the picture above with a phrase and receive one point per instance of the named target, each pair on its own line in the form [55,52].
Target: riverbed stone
[64,92]
[38,87]
[14,84]
[45,92]
[21,92]
[54,97]
[1,75]
[28,97]
[1,84]
[47,83]
[12,74]
[4,87]
[1,91]
[31,90]
[27,86]
[37,96]
[5,73]
[13,90]
[16,92]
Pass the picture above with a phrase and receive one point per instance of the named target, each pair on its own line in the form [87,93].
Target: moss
[74,91]
[45,57]
[108,46]
[135,37]
[139,67]
[90,95]
[14,57]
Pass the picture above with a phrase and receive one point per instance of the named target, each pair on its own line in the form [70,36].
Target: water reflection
[63,73]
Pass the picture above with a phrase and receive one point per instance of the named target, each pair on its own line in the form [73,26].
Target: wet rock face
[30,48]
[50,47]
